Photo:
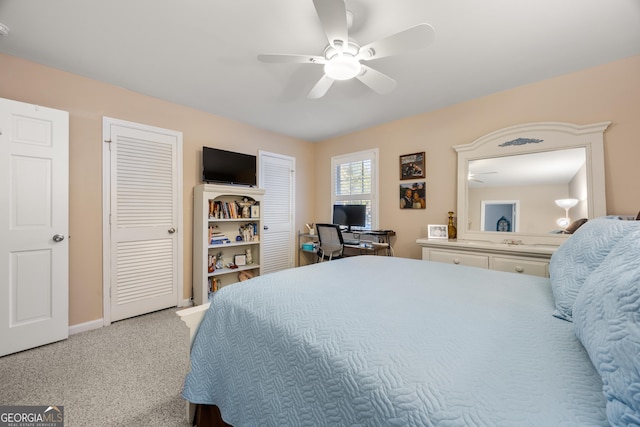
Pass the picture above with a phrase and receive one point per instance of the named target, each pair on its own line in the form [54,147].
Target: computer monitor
[350,215]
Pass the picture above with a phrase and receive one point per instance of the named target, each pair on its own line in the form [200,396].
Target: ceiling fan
[343,59]
[473,176]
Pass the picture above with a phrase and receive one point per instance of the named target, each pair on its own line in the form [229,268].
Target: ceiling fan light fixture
[349,19]
[342,56]
[342,67]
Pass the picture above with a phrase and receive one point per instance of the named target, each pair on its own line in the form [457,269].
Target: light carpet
[130,373]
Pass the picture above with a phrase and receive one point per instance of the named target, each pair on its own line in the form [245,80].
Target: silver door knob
[172,230]
[58,237]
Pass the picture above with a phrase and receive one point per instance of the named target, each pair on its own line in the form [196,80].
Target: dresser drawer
[459,258]
[524,266]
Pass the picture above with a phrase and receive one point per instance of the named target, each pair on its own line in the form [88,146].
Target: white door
[34,226]
[492,212]
[277,176]
[143,216]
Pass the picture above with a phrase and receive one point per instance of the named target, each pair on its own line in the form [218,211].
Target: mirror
[509,181]
[529,184]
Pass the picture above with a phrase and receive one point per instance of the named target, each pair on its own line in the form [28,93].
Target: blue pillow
[606,317]
[582,253]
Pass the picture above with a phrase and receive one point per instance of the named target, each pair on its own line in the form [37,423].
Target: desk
[309,255]
[375,241]
[372,236]
[367,248]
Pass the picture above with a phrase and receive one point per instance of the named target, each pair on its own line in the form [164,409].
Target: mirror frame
[534,138]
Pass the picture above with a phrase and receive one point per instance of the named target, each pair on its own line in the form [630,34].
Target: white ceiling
[542,168]
[202,53]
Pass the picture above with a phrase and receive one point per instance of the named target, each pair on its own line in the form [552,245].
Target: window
[354,181]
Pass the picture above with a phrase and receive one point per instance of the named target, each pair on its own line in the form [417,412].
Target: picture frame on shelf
[412,166]
[240,260]
[255,211]
[437,231]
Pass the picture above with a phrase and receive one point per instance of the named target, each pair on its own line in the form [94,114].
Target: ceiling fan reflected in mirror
[343,59]
[474,176]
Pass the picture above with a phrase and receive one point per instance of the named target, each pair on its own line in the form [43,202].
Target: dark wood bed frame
[209,416]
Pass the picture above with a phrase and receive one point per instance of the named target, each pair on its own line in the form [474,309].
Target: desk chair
[331,242]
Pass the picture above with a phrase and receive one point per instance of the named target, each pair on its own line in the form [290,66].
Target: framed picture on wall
[437,231]
[412,166]
[412,196]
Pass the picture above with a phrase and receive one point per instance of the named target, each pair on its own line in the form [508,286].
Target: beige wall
[578,189]
[610,92]
[87,102]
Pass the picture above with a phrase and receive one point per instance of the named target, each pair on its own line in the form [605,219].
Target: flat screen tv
[228,167]
[350,216]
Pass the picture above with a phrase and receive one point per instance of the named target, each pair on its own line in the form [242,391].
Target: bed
[382,341]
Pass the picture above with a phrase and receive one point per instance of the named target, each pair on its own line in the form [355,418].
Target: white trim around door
[142,224]
[277,173]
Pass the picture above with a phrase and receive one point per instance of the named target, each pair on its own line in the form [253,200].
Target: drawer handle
[456,261]
[519,269]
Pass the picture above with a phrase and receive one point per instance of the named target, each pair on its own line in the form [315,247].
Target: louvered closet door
[144,223]
[277,174]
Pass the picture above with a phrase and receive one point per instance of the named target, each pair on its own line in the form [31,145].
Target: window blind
[354,182]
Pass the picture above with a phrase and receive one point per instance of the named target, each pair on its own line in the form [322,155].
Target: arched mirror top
[520,172]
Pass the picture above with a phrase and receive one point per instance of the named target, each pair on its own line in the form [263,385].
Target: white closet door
[277,174]
[144,221]
[34,226]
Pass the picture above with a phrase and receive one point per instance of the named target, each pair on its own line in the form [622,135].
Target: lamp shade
[567,203]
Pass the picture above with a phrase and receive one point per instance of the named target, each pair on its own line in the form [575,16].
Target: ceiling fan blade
[379,82]
[418,37]
[333,17]
[320,88]
[295,59]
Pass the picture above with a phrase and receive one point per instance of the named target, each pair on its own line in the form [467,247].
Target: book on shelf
[222,241]
[224,210]
[214,284]
[216,237]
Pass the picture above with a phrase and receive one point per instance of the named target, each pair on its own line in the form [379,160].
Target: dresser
[514,258]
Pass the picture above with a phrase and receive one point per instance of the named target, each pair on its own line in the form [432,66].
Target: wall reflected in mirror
[535,181]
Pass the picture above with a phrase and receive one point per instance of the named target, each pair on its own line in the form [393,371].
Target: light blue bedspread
[381,341]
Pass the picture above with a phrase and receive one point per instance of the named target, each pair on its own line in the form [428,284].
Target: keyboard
[352,242]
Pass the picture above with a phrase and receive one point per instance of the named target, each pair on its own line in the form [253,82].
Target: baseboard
[84,327]
[99,323]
